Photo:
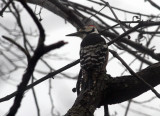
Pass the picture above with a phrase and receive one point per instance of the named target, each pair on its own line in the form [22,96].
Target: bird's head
[83,32]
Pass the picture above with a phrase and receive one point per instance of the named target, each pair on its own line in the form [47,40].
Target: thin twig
[50,75]
[129,65]
[145,101]
[2,11]
[71,16]
[107,3]
[95,14]
[125,11]
[127,108]
[35,19]
[16,44]
[133,73]
[153,4]
[35,98]
[140,24]
[31,65]
[50,97]
[19,22]
[135,111]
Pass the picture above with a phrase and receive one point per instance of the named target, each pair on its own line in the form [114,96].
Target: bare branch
[71,16]
[2,11]
[133,73]
[50,75]
[16,44]
[153,4]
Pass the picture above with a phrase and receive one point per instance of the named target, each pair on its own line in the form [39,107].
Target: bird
[93,54]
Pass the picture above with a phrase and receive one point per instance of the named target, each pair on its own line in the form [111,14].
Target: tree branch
[16,44]
[7,4]
[153,4]
[110,90]
[133,44]
[71,16]
[50,75]
[134,74]
[31,64]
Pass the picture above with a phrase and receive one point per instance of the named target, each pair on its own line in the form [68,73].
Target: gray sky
[56,29]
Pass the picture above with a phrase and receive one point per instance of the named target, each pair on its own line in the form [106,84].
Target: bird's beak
[74,34]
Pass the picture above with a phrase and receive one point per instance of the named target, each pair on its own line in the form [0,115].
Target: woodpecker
[93,53]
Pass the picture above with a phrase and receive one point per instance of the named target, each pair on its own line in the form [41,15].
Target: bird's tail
[90,79]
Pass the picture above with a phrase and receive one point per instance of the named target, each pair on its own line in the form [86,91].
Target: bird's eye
[91,30]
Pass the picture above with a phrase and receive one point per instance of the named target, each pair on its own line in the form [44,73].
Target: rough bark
[109,90]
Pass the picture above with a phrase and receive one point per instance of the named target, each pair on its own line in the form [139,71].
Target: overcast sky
[63,97]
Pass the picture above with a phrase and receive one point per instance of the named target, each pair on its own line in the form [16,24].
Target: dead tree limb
[114,90]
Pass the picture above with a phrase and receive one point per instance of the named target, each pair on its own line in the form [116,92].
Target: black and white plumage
[93,52]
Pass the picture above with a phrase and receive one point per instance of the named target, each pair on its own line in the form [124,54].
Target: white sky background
[56,29]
